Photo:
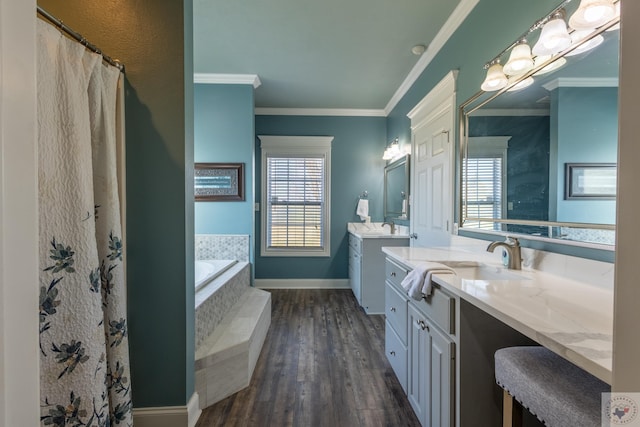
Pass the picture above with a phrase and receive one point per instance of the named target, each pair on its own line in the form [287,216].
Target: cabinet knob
[393,353]
[393,274]
[423,325]
[393,309]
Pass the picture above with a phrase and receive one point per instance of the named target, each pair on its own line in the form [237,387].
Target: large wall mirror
[396,189]
[538,157]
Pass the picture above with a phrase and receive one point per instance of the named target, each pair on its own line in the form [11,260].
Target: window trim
[290,146]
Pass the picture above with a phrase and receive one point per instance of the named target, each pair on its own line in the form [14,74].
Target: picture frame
[590,181]
[215,182]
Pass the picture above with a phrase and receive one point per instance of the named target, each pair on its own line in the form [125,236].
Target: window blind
[295,202]
[483,183]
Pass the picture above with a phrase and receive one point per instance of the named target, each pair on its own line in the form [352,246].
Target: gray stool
[556,391]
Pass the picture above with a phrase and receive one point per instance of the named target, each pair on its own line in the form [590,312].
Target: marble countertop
[569,317]
[375,230]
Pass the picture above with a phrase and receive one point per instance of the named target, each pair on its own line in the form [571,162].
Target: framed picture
[593,181]
[219,182]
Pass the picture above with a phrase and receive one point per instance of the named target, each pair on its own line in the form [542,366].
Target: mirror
[396,189]
[541,160]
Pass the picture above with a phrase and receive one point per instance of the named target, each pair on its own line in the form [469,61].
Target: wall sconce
[392,151]
[520,60]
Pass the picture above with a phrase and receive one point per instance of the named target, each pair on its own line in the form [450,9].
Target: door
[433,189]
[419,364]
[432,122]
[442,381]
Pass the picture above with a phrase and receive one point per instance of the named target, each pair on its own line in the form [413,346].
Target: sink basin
[487,272]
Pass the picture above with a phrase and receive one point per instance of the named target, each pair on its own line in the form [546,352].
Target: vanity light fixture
[392,151]
[617,15]
[520,60]
[496,79]
[592,14]
[577,37]
[554,37]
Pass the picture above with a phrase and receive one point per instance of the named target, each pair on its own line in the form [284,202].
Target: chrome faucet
[392,226]
[512,246]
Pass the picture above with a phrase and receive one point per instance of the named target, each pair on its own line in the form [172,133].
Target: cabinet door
[356,276]
[419,375]
[442,379]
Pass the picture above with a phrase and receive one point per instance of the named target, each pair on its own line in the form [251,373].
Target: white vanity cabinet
[427,372]
[366,268]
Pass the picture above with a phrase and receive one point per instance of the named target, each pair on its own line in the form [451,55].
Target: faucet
[392,226]
[512,247]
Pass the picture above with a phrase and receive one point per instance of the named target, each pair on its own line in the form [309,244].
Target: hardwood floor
[322,364]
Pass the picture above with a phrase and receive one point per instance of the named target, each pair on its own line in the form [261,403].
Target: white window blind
[483,184]
[296,195]
[295,202]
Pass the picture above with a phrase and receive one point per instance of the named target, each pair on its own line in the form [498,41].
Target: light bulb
[520,60]
[592,14]
[554,37]
[495,80]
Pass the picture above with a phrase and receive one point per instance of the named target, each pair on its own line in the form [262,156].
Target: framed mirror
[396,189]
[519,147]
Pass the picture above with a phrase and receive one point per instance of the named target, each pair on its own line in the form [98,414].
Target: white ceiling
[322,54]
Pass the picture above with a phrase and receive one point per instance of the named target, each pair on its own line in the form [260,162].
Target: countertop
[569,317]
[375,230]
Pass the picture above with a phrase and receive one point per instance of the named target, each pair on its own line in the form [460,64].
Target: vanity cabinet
[367,271]
[420,346]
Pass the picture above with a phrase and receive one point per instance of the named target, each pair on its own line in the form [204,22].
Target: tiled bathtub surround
[213,302]
[222,246]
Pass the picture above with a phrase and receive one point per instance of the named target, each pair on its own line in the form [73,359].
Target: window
[484,181]
[296,174]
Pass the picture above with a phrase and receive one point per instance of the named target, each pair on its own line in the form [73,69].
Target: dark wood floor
[322,364]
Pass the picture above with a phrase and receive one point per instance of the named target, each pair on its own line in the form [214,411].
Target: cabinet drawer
[396,310]
[440,308]
[355,243]
[394,273]
[396,353]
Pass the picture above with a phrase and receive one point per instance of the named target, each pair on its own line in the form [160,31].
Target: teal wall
[587,132]
[224,133]
[356,166]
[154,40]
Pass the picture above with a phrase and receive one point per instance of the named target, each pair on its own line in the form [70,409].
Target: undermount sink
[473,270]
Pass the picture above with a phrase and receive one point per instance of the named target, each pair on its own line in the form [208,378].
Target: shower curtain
[84,360]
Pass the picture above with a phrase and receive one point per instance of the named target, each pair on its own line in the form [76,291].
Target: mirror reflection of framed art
[593,181]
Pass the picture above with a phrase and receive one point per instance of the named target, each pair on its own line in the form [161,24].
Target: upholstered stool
[558,392]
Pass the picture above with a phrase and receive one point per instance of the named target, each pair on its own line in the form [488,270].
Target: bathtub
[208,270]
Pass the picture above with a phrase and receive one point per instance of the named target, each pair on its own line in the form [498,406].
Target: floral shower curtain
[84,360]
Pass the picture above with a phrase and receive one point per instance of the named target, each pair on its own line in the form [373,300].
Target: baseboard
[302,283]
[168,416]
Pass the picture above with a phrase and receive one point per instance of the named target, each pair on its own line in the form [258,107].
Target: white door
[432,181]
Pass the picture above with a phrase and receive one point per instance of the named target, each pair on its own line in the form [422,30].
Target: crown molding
[455,20]
[581,82]
[227,79]
[339,112]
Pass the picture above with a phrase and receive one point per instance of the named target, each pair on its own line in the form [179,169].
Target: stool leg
[511,411]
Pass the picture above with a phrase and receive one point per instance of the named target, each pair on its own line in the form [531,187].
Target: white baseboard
[168,416]
[302,283]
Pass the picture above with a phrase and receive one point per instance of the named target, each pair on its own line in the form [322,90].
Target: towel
[418,282]
[363,209]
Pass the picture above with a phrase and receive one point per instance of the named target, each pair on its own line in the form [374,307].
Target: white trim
[290,146]
[19,244]
[227,79]
[441,93]
[455,20]
[168,416]
[302,283]
[337,112]
[504,112]
[581,82]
